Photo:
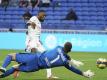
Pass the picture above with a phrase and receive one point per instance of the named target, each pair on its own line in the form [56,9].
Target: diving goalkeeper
[33,62]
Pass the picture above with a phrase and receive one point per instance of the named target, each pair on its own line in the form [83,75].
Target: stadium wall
[81,42]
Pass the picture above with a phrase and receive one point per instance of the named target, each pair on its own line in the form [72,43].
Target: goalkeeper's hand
[75,63]
[88,74]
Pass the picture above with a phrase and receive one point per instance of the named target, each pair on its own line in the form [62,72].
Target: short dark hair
[67,47]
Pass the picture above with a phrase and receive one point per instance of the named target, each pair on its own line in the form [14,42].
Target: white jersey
[34,33]
[33,37]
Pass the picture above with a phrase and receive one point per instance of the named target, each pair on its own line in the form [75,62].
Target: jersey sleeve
[73,69]
[68,57]
[33,19]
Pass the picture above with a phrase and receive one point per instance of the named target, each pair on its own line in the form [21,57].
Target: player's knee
[13,55]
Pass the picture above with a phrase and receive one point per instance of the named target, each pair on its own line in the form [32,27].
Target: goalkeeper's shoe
[16,73]
[52,77]
[2,70]
[1,76]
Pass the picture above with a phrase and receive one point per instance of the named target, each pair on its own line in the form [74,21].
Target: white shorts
[34,44]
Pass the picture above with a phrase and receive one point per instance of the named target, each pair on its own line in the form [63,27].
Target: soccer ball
[101,63]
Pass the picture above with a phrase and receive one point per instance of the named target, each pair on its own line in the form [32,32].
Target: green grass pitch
[88,58]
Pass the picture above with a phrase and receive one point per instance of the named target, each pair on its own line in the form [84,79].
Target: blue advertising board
[81,42]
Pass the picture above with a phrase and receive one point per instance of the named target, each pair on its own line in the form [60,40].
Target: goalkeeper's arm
[74,62]
[87,74]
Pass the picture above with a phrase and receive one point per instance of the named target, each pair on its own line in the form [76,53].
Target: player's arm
[33,25]
[74,62]
[32,22]
[87,74]
[73,69]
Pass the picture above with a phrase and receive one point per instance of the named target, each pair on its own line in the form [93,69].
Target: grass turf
[88,58]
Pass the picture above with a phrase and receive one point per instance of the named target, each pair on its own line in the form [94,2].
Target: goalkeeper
[49,59]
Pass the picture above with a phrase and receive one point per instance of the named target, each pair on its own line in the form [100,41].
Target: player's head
[41,15]
[67,47]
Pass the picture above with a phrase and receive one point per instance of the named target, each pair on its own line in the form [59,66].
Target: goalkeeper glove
[88,74]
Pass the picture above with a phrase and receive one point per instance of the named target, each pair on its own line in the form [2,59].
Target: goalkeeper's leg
[7,61]
[8,72]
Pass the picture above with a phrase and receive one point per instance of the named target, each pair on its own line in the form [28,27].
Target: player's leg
[40,47]
[21,67]
[20,58]
[8,72]
[27,43]
[7,61]
[30,46]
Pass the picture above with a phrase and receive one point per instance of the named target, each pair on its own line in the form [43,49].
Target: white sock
[49,73]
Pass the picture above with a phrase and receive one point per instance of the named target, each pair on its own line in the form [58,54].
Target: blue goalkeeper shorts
[28,62]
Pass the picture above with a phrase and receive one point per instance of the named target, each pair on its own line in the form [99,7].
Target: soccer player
[33,43]
[49,59]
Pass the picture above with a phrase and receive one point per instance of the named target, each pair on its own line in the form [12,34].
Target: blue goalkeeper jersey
[54,58]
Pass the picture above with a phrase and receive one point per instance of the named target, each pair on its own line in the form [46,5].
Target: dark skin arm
[33,25]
